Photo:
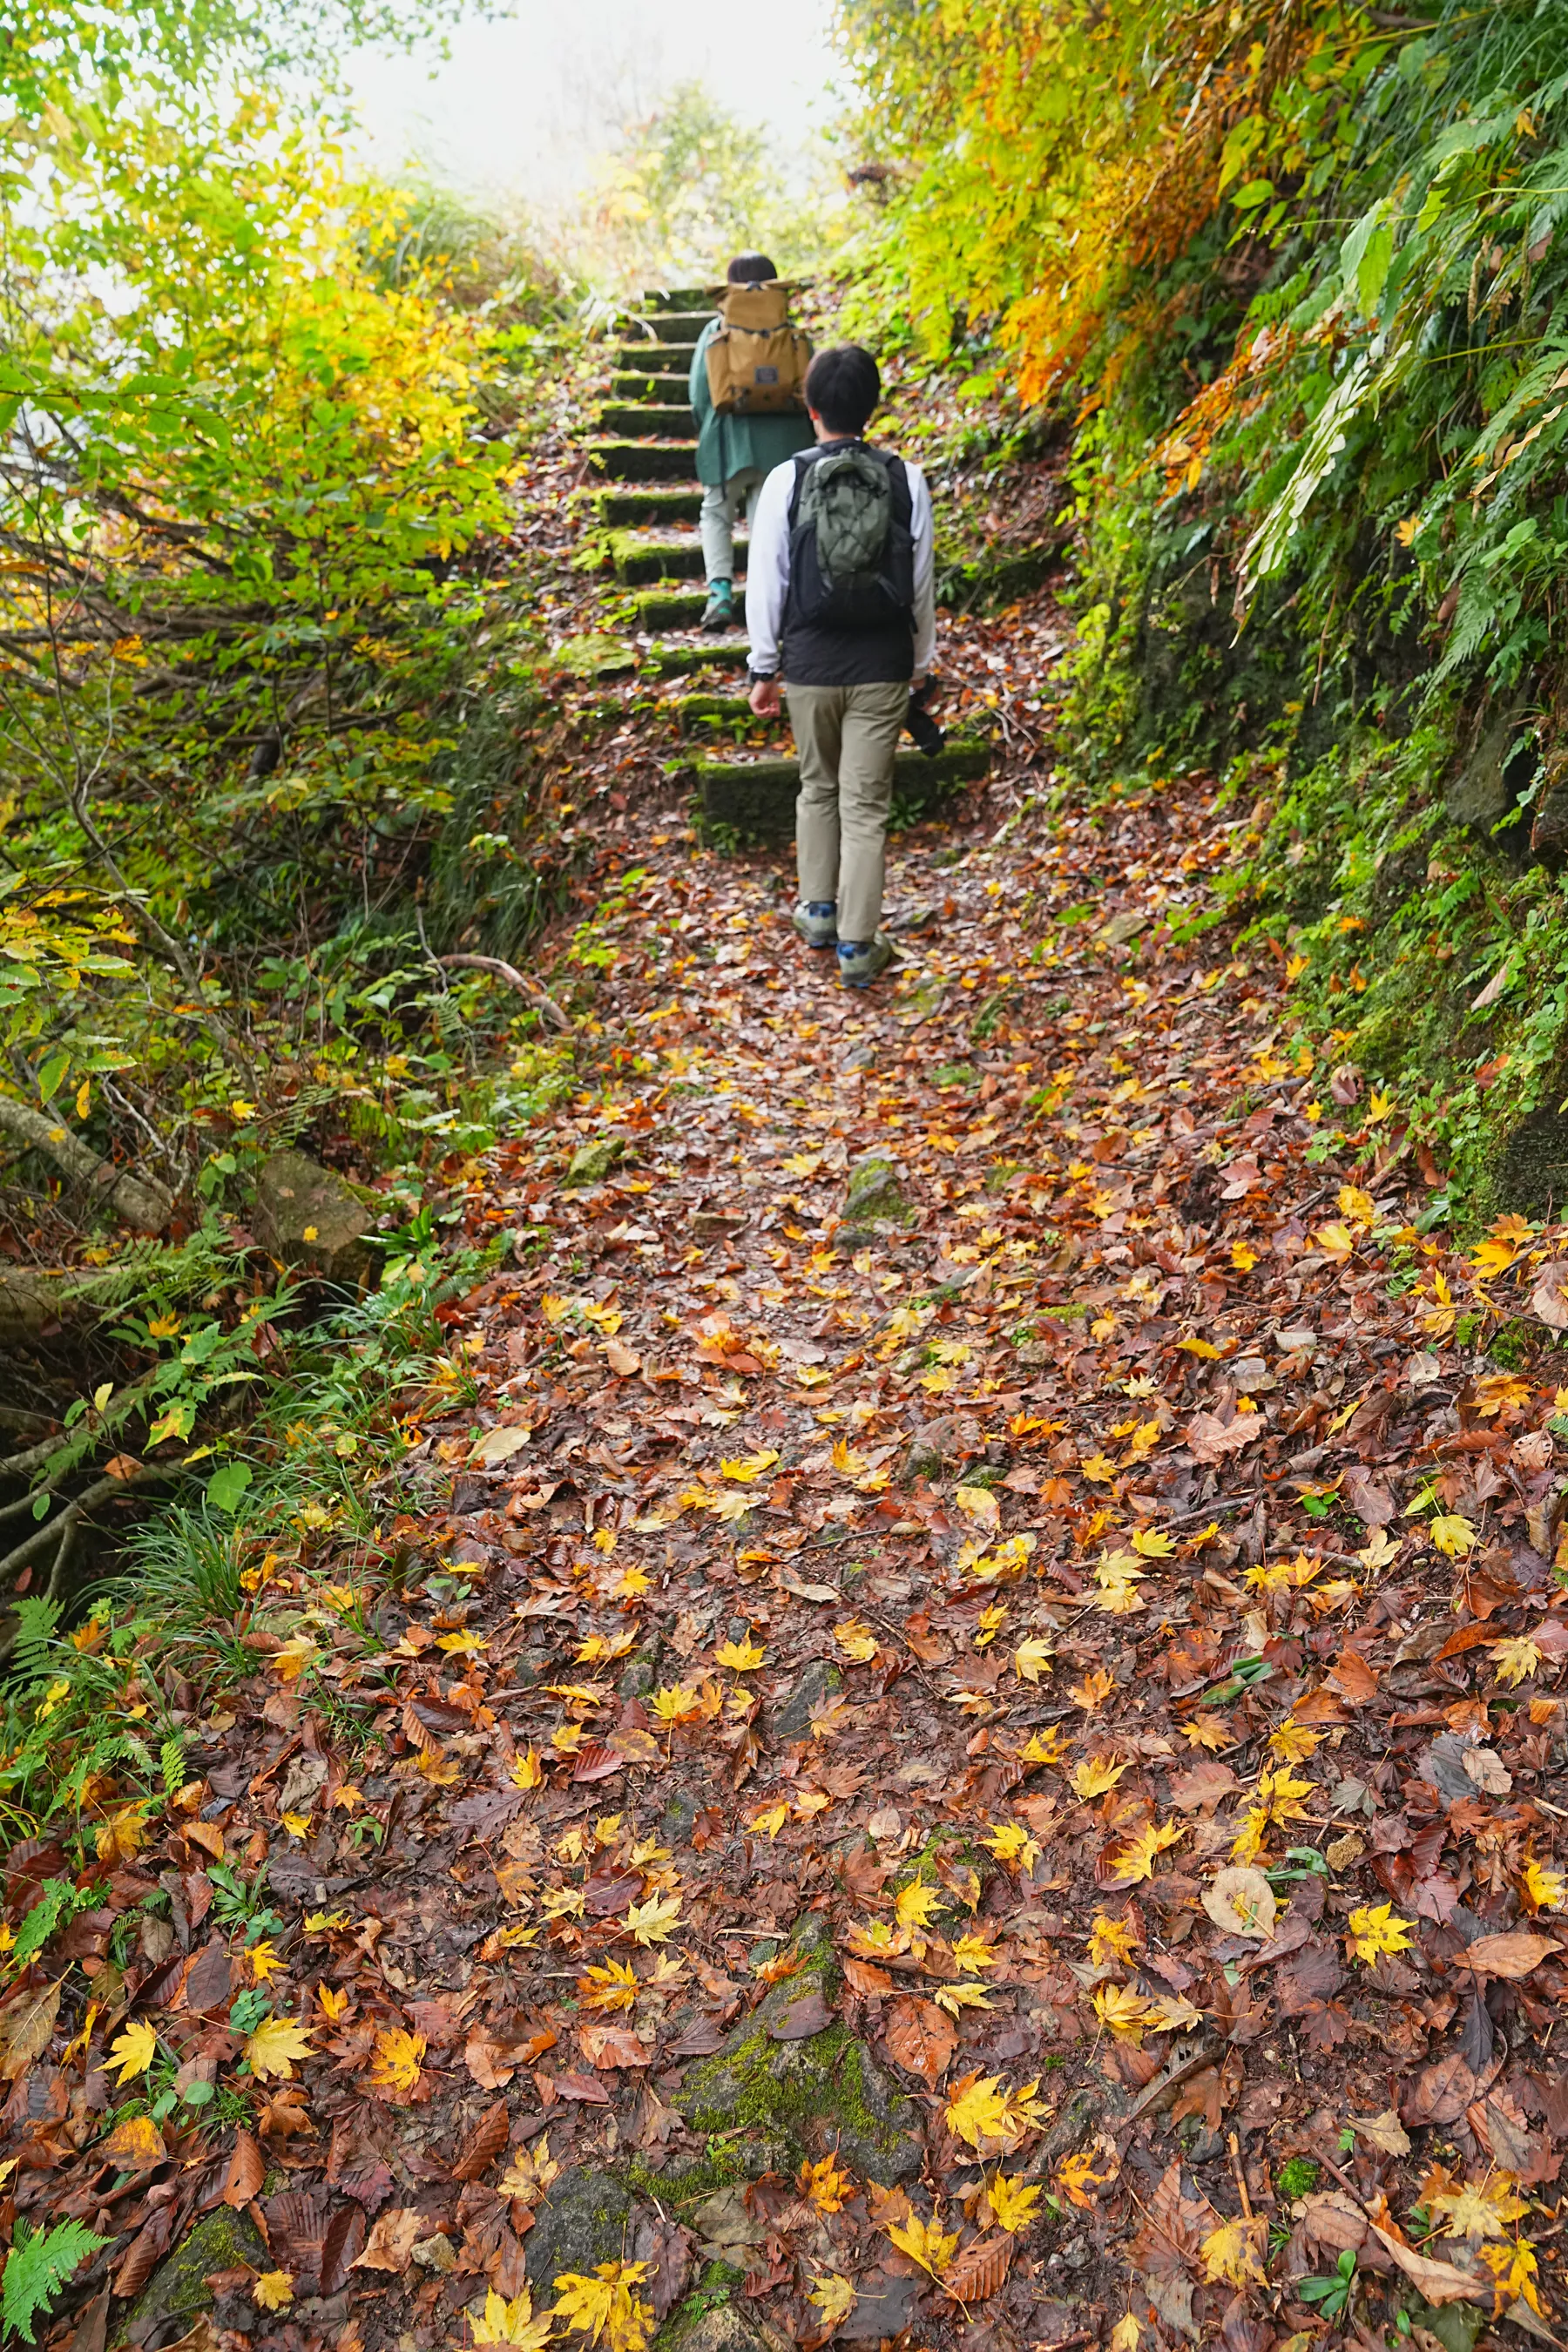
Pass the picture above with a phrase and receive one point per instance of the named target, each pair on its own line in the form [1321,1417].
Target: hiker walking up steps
[840,606]
[747,387]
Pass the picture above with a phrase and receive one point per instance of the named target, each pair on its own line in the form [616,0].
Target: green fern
[35,1621]
[171,1764]
[39,2264]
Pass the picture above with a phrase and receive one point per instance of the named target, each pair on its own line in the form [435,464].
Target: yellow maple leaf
[1291,1742]
[1377,1929]
[1493,1257]
[1515,2269]
[1042,1747]
[607,2305]
[769,1819]
[1075,2175]
[1031,1658]
[1453,1534]
[1136,1858]
[513,2323]
[973,1952]
[1515,1657]
[1109,1939]
[1095,1775]
[1542,1889]
[856,1641]
[1210,1731]
[652,1922]
[613,1987]
[1356,1206]
[677,1703]
[828,2188]
[1232,2252]
[1279,1795]
[956,1997]
[1243,1256]
[918,1905]
[741,1657]
[527,1772]
[1013,2201]
[274,2290]
[334,2004]
[1122,2011]
[397,2059]
[926,2242]
[1152,1544]
[133,2050]
[266,1960]
[1125,2335]
[277,2041]
[1099,1470]
[750,1467]
[1010,1842]
[1336,1240]
[1092,1691]
[977,2110]
[1477,2209]
[1199,1348]
[834,2297]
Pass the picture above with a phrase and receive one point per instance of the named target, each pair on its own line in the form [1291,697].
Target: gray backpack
[851,549]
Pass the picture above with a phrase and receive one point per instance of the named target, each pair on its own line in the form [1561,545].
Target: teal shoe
[718,612]
[816,920]
[861,961]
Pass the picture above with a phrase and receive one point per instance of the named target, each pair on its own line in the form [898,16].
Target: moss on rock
[220,2240]
[820,2091]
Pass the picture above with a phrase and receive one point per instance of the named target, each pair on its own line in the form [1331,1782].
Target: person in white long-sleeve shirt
[843,647]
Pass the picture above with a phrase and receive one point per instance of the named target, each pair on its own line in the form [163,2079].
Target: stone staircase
[645,450]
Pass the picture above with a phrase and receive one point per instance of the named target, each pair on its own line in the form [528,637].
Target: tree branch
[138,1200]
[537,997]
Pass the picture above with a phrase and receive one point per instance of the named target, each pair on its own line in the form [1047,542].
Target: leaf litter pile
[951,1736]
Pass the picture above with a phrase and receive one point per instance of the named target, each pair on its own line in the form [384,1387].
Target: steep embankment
[947,1716]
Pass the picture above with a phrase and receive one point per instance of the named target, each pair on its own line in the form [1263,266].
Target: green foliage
[39,2267]
[1332,2292]
[1297,2178]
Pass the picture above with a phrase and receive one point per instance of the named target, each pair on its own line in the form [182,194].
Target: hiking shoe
[861,961]
[718,612]
[816,920]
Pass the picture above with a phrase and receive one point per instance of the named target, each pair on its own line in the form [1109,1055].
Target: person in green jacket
[734,457]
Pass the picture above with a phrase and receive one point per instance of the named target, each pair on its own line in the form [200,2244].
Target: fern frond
[40,2266]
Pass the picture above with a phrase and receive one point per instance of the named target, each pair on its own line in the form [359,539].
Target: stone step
[681,297]
[681,656]
[645,461]
[670,608]
[755,799]
[618,510]
[676,326]
[642,556]
[652,390]
[662,359]
[670,424]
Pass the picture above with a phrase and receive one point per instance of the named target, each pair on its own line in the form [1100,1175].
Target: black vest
[828,656]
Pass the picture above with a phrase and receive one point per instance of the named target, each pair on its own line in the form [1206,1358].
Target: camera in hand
[919,722]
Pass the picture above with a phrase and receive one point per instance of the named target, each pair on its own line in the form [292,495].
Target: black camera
[919,722]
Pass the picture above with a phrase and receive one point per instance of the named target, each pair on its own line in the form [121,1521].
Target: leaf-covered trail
[952,1735]
[940,1505]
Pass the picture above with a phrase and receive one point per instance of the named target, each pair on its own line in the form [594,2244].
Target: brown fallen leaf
[976,2271]
[26,2022]
[390,2246]
[484,2143]
[1438,2281]
[1383,2132]
[246,2172]
[1352,1676]
[864,1977]
[133,2145]
[1211,1439]
[804,2016]
[1511,1955]
[920,2037]
[1335,2221]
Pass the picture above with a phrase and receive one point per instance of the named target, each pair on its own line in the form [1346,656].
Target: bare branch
[537,996]
[138,1200]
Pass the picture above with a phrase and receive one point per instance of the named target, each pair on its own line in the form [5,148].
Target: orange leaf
[246,2172]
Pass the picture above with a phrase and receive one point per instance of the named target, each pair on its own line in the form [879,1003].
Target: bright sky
[525,107]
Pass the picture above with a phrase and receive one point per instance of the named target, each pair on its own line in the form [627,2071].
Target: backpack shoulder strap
[801,460]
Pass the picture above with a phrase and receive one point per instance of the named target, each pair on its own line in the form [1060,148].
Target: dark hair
[842,387]
[751,269]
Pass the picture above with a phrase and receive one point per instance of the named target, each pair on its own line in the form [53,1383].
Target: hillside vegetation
[1295,277]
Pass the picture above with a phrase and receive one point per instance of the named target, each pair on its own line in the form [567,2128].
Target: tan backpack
[757,361]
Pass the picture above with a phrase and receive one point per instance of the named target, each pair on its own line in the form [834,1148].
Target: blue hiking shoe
[816,920]
[718,612]
[861,961]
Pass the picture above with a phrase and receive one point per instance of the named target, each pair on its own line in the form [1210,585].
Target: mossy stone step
[676,326]
[693,709]
[670,423]
[670,608]
[640,556]
[656,359]
[755,799]
[678,657]
[644,461]
[621,509]
[653,391]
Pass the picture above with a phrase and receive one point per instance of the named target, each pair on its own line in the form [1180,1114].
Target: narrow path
[957,1519]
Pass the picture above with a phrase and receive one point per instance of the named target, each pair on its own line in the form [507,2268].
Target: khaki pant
[721,504]
[847,737]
